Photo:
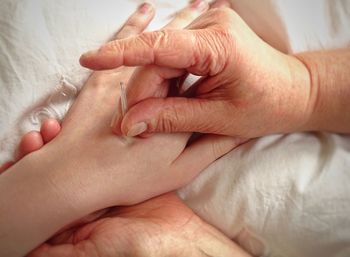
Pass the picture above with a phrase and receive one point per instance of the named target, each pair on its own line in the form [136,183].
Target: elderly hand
[248,88]
[160,227]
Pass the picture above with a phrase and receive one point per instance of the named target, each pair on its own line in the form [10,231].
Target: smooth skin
[86,168]
[159,227]
[249,89]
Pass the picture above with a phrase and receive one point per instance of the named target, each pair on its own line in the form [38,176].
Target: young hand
[165,222]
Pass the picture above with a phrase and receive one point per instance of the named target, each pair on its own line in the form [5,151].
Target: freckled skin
[250,89]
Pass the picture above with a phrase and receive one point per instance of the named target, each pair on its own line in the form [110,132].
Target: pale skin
[163,219]
[85,169]
[249,89]
[164,222]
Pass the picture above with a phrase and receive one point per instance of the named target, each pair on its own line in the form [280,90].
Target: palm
[157,227]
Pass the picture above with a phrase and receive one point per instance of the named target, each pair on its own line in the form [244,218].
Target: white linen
[41,42]
[284,196]
[278,195]
[289,192]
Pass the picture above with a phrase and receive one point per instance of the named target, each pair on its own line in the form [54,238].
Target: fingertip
[137,121]
[99,59]
[85,59]
[30,142]
[146,8]
[136,129]
[148,116]
[50,129]
[108,57]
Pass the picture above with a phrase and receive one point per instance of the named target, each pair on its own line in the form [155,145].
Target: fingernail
[89,53]
[145,8]
[137,129]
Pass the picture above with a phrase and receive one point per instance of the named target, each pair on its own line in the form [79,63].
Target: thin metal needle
[124,101]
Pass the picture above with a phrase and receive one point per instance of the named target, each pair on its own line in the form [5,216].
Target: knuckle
[148,39]
[213,48]
[160,38]
[204,53]
[168,120]
[156,41]
[112,45]
[179,118]
[171,119]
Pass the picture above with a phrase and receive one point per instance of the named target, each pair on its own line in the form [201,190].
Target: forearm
[32,207]
[329,96]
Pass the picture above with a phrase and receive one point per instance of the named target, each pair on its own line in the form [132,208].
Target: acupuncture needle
[124,109]
[124,105]
[123,100]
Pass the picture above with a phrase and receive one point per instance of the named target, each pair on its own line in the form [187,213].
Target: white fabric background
[278,195]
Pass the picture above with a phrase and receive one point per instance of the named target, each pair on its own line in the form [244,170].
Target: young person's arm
[35,202]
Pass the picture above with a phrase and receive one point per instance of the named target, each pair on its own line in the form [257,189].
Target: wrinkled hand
[248,89]
[160,227]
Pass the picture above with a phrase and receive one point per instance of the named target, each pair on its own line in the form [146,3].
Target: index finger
[204,48]
[169,48]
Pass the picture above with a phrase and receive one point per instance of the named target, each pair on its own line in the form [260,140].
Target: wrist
[71,180]
[311,94]
[329,90]
[301,97]
[32,208]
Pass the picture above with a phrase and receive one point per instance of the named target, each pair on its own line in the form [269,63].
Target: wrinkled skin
[249,88]
[160,227]
[160,224]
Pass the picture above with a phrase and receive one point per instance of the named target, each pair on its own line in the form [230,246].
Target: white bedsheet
[278,195]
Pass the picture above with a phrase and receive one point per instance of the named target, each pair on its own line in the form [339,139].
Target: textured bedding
[281,195]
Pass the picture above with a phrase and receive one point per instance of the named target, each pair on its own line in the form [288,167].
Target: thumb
[174,114]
